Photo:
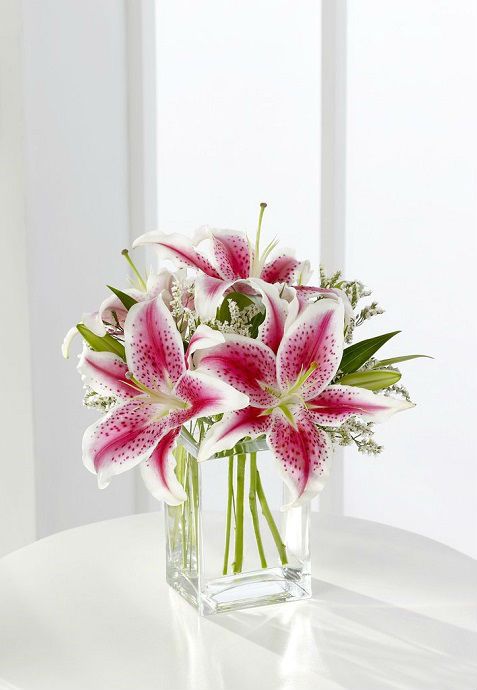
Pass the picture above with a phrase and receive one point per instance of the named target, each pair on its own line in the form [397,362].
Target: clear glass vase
[228,545]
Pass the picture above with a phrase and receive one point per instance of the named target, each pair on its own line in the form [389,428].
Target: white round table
[89,609]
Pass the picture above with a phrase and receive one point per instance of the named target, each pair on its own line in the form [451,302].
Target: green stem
[195,488]
[177,510]
[271,522]
[191,522]
[228,523]
[238,561]
[184,507]
[252,499]
[174,510]
[142,283]
[184,537]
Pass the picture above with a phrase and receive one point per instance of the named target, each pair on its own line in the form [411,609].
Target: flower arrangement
[223,356]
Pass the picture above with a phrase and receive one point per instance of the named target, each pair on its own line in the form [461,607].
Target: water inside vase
[229,546]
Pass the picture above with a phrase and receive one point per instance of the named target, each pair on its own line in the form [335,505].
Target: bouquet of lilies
[224,350]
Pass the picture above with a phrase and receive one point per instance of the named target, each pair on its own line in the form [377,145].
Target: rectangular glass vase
[228,545]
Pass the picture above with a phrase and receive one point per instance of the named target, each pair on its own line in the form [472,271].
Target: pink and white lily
[112,312]
[291,396]
[157,394]
[309,293]
[112,309]
[233,259]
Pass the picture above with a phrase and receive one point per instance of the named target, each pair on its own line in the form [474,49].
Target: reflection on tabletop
[340,635]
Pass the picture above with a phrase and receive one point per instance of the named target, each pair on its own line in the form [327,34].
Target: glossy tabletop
[89,609]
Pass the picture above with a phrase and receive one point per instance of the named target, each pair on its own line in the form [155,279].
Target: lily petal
[232,427]
[308,293]
[94,322]
[289,294]
[204,337]
[303,272]
[105,373]
[68,339]
[208,295]
[123,438]
[276,312]
[158,472]
[154,349]
[284,268]
[303,454]
[337,403]
[113,304]
[314,339]
[157,282]
[206,396]
[245,364]
[179,248]
[232,253]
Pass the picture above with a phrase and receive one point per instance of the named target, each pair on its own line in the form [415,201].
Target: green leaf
[189,442]
[241,300]
[358,354]
[105,343]
[246,446]
[372,380]
[395,360]
[126,300]
[255,323]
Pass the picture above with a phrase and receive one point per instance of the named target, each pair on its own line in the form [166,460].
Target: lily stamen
[302,378]
[269,389]
[170,401]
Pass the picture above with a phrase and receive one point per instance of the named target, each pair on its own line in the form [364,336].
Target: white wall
[17,494]
[239,117]
[411,234]
[77,194]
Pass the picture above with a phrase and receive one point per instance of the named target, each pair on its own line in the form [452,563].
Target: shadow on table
[350,638]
